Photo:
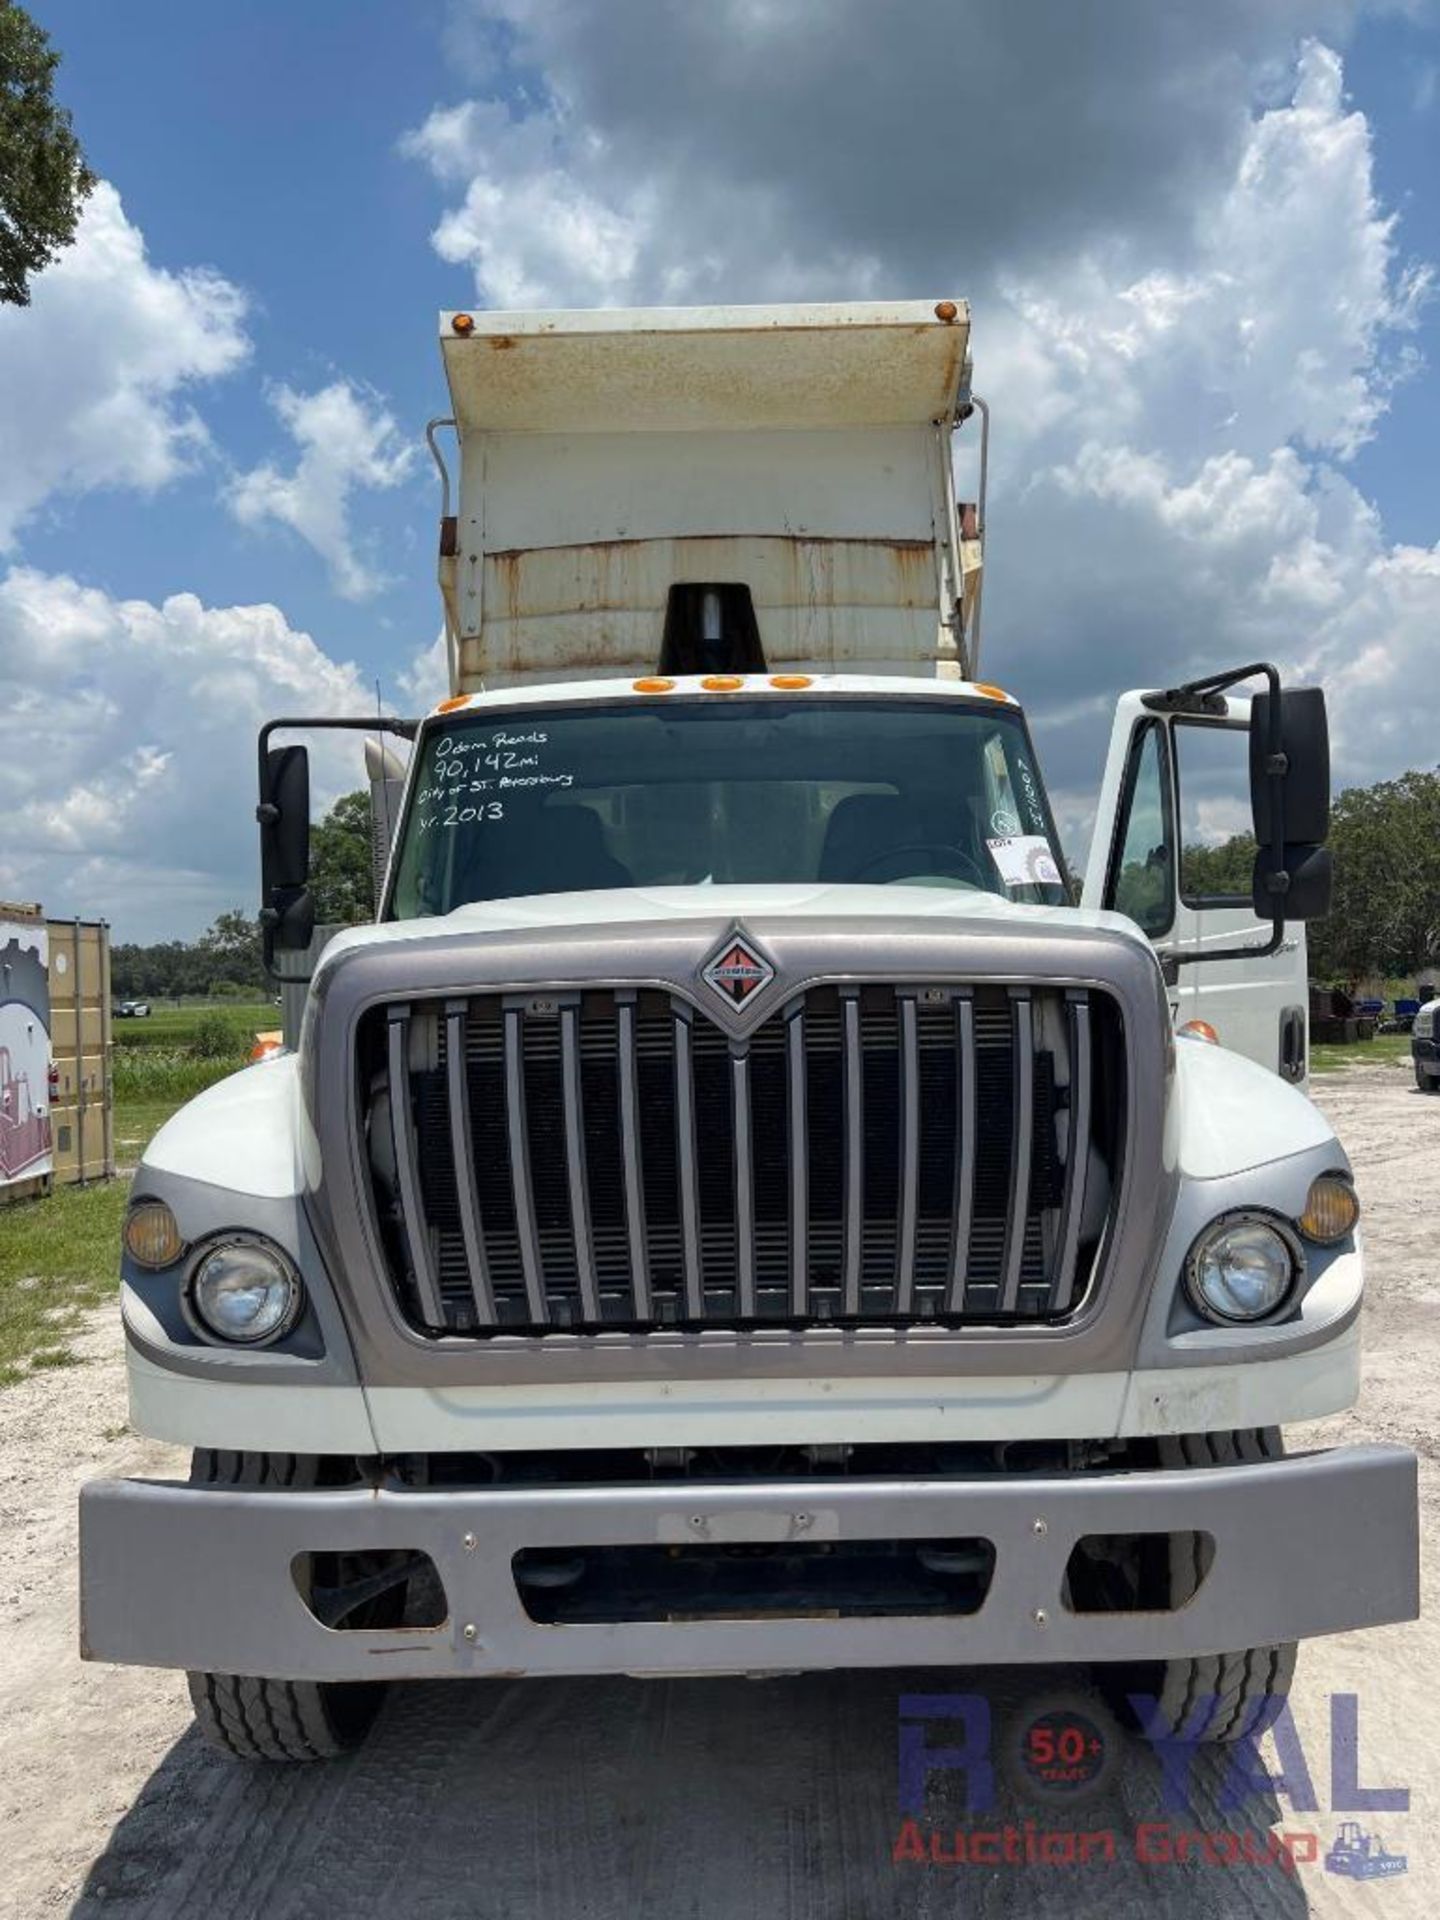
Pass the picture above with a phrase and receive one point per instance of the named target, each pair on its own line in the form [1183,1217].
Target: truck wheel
[259,1719]
[1244,1690]
[1423,1080]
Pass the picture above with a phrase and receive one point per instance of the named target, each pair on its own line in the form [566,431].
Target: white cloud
[95,374]
[425,681]
[130,760]
[750,150]
[1191,308]
[347,441]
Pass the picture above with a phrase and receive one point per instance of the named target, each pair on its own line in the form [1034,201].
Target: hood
[883,905]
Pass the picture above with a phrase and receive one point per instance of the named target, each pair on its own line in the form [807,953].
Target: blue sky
[261,140]
[1197,243]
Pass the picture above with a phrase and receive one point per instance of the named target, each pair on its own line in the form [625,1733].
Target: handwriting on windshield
[468,774]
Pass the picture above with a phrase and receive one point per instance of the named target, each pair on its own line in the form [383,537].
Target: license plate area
[750,1579]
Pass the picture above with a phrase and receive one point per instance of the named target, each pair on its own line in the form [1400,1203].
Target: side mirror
[1290,802]
[287,911]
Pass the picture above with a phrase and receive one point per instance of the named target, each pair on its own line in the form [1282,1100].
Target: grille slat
[531,1262]
[630,1149]
[1077,1150]
[744,1183]
[463,1150]
[615,1159]
[795,1096]
[1017,1213]
[854,1160]
[966,1072]
[909,1155]
[407,1165]
[575,1162]
[685,1156]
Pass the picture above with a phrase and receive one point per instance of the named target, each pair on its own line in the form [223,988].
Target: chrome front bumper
[200,1577]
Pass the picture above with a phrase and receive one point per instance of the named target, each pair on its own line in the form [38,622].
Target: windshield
[696,792]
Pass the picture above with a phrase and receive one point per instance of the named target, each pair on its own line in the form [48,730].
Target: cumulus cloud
[1190,307]
[746,150]
[97,374]
[347,442]
[130,756]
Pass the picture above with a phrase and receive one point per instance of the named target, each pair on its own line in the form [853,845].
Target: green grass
[171,1026]
[61,1255]
[1391,1049]
[58,1257]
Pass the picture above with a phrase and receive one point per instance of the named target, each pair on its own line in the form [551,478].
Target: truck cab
[742,1206]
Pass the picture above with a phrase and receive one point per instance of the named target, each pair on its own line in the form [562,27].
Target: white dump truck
[740,1208]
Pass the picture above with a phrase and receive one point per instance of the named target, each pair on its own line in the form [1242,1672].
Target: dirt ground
[685,1798]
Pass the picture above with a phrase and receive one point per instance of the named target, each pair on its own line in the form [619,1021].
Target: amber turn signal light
[152,1235]
[1200,1030]
[1331,1210]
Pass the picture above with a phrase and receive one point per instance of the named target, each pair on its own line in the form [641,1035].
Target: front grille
[616,1160]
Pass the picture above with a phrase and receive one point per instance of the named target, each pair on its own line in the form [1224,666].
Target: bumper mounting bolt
[1042,1619]
[1041,1527]
[469,1630]
[469,1542]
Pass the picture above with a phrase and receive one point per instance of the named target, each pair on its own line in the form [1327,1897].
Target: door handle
[1292,1044]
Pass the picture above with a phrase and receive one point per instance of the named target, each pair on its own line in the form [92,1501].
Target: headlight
[152,1234]
[1242,1267]
[1331,1210]
[244,1291]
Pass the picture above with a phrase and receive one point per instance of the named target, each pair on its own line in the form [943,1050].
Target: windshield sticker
[1025,860]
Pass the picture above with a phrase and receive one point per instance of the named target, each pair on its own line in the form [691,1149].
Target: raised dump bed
[673,489]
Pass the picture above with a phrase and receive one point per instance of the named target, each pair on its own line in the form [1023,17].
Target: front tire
[1211,1698]
[1424,1081]
[283,1720]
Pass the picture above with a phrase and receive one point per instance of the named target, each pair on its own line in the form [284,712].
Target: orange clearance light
[1201,1030]
[654,684]
[990,691]
[945,310]
[462,323]
[790,682]
[722,682]
[267,1046]
[449,706]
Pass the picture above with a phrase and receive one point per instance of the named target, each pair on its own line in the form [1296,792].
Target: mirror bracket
[1204,696]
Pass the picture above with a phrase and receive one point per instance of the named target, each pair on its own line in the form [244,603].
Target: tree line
[1384,920]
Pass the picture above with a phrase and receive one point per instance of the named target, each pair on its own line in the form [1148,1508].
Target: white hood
[642,905]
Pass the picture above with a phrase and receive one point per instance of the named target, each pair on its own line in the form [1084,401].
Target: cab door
[1174,804]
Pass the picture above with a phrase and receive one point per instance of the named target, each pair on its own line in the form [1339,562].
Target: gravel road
[564,1798]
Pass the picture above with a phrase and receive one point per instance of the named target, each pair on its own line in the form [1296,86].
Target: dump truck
[742,1207]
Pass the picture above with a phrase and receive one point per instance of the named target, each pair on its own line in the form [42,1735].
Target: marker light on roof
[462,323]
[722,683]
[790,682]
[652,684]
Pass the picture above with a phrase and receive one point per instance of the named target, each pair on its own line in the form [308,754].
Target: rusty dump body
[799,454]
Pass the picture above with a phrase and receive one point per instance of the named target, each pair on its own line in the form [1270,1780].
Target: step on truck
[742,1207]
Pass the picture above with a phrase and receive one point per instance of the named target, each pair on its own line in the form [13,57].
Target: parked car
[1425,1049]
[133,1010]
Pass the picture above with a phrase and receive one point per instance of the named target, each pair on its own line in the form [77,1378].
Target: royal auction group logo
[737,971]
